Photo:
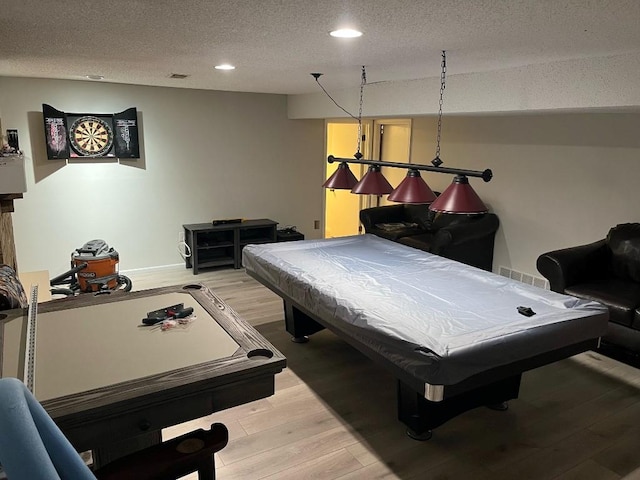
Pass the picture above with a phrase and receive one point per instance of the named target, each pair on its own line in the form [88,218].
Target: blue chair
[32,447]
[31,444]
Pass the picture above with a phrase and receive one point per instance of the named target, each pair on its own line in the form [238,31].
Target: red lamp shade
[373,183]
[413,189]
[342,178]
[459,197]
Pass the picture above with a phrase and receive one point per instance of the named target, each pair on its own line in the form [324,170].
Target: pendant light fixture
[459,197]
[373,183]
[413,189]
[343,178]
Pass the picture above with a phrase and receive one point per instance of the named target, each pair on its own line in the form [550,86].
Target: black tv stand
[221,245]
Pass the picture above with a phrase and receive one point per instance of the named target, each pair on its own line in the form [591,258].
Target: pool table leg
[299,324]
[421,415]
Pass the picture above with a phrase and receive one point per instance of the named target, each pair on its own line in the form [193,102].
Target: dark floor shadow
[554,402]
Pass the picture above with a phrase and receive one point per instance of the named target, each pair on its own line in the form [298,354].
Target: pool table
[456,337]
[111,384]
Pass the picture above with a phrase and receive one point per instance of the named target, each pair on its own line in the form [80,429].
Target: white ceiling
[276,44]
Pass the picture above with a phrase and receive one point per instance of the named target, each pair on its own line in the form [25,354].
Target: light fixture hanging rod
[486,175]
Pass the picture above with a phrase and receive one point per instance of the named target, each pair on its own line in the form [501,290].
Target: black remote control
[526,311]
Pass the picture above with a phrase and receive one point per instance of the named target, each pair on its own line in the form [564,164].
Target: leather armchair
[607,271]
[465,238]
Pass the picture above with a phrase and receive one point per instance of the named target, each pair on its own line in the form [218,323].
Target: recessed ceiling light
[225,66]
[345,33]
[95,77]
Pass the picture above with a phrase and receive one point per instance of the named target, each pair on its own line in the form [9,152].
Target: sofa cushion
[624,242]
[622,297]
[395,231]
[12,293]
[419,214]
[442,220]
[421,242]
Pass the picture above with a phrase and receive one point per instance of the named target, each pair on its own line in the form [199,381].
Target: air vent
[524,277]
[178,75]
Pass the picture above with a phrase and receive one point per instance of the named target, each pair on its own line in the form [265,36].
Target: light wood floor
[333,415]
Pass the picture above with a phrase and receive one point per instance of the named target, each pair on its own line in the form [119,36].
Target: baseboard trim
[152,269]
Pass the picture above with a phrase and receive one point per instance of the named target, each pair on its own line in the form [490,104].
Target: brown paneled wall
[7,245]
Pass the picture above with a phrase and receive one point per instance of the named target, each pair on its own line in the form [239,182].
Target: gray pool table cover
[440,320]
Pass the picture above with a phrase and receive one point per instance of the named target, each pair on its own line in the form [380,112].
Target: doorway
[342,208]
[391,142]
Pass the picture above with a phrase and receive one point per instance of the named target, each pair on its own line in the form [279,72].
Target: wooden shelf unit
[221,245]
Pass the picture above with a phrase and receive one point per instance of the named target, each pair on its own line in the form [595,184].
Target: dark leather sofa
[465,238]
[607,271]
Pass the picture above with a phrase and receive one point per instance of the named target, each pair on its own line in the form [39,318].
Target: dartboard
[91,136]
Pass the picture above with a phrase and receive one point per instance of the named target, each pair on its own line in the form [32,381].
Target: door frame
[376,144]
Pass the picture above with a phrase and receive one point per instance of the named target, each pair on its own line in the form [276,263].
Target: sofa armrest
[569,266]
[463,232]
[369,217]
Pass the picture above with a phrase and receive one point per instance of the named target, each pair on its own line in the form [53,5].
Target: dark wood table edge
[74,411]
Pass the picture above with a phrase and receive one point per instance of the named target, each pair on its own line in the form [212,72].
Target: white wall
[206,155]
[588,83]
[559,180]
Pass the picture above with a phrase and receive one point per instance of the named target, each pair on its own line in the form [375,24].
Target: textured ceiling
[276,44]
